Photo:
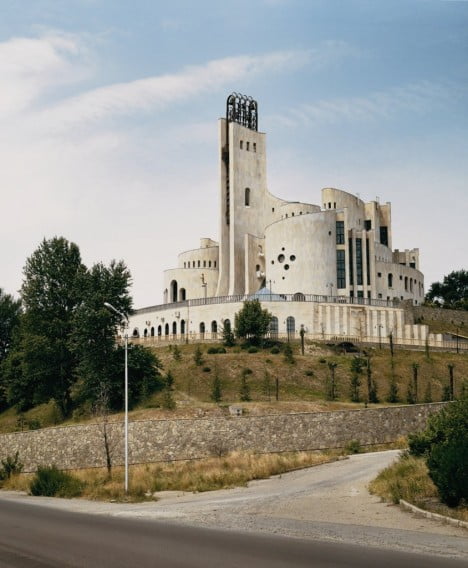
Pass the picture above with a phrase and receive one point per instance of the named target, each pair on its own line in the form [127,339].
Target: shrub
[50,482]
[353,447]
[288,354]
[198,357]
[215,350]
[252,349]
[10,466]
[275,350]
[206,369]
[444,444]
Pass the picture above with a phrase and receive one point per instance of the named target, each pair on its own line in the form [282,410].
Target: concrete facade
[337,252]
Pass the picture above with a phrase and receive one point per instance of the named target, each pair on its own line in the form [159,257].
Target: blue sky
[108,120]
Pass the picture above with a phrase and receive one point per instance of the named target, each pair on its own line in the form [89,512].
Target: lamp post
[125,320]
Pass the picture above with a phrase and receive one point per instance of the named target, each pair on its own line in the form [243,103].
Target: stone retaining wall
[76,447]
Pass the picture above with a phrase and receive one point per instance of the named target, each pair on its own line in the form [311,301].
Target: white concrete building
[329,267]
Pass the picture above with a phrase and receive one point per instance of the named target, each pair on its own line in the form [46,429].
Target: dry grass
[408,479]
[233,470]
[145,481]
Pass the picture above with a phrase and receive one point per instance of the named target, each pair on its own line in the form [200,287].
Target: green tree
[10,310]
[444,445]
[42,365]
[452,292]
[94,328]
[357,369]
[198,357]
[331,390]
[228,335]
[244,391]
[288,354]
[216,389]
[251,322]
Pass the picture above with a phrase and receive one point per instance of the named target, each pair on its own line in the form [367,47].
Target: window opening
[340,238]
[340,269]
[247,197]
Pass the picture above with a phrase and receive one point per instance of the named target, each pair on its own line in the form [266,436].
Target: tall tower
[243,191]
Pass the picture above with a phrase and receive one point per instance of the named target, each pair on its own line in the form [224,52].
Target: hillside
[303,385]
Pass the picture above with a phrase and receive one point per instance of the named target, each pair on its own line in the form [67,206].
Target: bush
[353,447]
[444,444]
[252,349]
[10,466]
[206,369]
[50,482]
[215,350]
[275,350]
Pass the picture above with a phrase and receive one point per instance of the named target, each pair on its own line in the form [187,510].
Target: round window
[292,258]
[286,266]
[281,258]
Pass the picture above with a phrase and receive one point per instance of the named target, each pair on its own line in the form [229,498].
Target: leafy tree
[452,292]
[357,368]
[198,357]
[251,322]
[94,327]
[176,353]
[228,335]
[216,389]
[331,390]
[10,310]
[42,365]
[288,354]
[444,445]
[244,391]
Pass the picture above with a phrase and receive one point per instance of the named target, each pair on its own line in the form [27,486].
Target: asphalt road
[39,537]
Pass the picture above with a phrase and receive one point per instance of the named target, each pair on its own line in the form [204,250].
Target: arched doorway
[214,329]
[273,328]
[202,330]
[174,328]
[182,327]
[290,327]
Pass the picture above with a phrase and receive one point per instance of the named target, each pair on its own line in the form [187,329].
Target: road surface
[333,520]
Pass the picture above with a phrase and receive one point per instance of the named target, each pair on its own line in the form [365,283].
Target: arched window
[390,280]
[159,331]
[273,327]
[145,333]
[299,297]
[174,328]
[136,333]
[166,329]
[247,197]
[290,326]
[182,327]
[182,295]
[227,325]
[173,291]
[152,332]
[202,330]
[214,329]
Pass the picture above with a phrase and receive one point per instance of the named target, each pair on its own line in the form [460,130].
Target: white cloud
[31,66]
[418,98]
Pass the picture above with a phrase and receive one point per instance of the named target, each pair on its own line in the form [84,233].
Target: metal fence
[272,297]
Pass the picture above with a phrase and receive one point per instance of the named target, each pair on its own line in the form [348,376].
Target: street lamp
[125,320]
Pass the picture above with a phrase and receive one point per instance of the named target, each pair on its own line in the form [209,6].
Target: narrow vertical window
[384,236]
[368,262]
[359,262]
[247,146]
[254,146]
[340,269]
[247,197]
[241,144]
[351,270]
[340,233]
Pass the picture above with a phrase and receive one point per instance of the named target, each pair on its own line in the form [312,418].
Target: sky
[109,110]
